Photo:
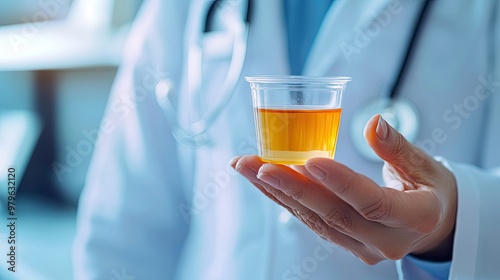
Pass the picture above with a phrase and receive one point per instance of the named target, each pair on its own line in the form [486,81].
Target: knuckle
[394,253]
[313,222]
[418,159]
[367,257]
[426,168]
[351,180]
[298,194]
[377,211]
[291,211]
[430,225]
[340,220]
[400,148]
[277,194]
[332,238]
[425,229]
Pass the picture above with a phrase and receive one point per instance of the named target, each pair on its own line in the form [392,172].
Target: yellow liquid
[293,136]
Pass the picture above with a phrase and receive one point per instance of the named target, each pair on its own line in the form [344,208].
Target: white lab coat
[155,209]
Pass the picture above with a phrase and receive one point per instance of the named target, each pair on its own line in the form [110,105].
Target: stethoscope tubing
[394,90]
[196,134]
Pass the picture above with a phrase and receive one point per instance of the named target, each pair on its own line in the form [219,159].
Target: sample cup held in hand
[296,117]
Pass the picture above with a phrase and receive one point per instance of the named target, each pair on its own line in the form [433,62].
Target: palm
[415,213]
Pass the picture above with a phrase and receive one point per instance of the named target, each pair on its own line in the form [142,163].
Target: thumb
[406,158]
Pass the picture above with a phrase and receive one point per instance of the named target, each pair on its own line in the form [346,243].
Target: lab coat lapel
[342,22]
[491,85]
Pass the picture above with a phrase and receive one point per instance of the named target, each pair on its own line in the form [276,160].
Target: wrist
[438,247]
[441,253]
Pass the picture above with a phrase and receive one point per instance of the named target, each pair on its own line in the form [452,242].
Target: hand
[415,213]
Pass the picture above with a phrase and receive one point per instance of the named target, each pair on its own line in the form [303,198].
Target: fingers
[249,170]
[387,206]
[248,166]
[298,187]
[412,164]
[331,209]
[357,190]
[412,167]
[317,205]
[334,211]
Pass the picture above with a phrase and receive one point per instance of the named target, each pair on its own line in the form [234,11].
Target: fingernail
[233,162]
[382,129]
[270,179]
[317,172]
[246,171]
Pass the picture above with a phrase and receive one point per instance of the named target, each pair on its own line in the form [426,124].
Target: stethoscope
[399,112]
[232,16]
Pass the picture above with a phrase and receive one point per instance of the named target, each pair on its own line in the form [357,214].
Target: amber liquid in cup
[292,136]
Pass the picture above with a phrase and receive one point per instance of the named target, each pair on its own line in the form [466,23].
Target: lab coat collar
[340,25]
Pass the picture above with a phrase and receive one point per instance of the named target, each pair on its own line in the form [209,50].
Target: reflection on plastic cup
[296,117]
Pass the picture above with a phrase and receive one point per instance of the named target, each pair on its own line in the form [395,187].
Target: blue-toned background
[58,59]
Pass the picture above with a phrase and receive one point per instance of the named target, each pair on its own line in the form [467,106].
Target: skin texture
[413,214]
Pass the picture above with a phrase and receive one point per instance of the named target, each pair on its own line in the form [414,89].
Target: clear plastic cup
[296,117]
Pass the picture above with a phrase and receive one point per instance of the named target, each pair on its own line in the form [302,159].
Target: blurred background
[58,59]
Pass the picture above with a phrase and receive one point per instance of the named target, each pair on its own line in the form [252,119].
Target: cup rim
[297,79]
